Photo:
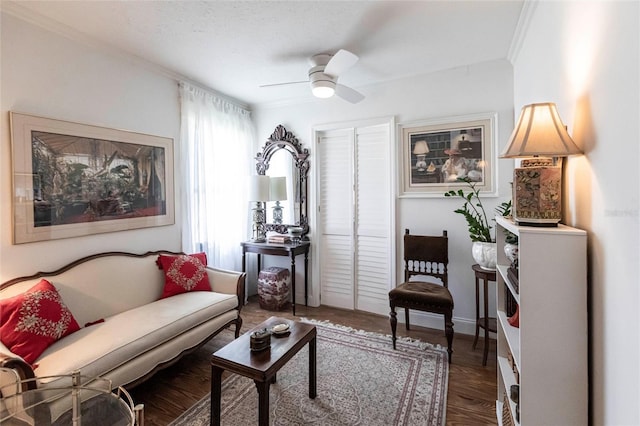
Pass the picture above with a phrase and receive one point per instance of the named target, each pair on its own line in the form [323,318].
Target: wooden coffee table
[262,366]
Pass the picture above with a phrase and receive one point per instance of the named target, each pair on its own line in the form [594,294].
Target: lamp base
[537,194]
[277,213]
[259,219]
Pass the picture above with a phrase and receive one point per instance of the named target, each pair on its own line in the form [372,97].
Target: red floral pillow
[32,321]
[184,273]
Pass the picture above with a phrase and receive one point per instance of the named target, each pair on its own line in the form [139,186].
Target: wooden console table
[291,250]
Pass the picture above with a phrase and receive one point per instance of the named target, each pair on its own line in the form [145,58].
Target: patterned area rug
[361,381]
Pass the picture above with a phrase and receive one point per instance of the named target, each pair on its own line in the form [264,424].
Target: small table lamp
[259,190]
[421,149]
[278,192]
[537,183]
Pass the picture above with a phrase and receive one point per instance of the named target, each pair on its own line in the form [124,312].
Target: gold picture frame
[72,179]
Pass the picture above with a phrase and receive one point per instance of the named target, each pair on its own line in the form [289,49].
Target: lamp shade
[540,131]
[421,148]
[259,188]
[278,188]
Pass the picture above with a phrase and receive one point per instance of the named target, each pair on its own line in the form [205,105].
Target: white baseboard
[426,319]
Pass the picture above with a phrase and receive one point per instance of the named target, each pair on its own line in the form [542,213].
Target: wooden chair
[427,256]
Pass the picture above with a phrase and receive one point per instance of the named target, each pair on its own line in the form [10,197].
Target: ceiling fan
[323,76]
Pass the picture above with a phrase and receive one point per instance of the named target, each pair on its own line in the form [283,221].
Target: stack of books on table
[278,239]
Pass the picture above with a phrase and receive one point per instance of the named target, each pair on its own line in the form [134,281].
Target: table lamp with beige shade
[541,139]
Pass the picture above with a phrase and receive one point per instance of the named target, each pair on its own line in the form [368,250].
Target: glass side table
[66,400]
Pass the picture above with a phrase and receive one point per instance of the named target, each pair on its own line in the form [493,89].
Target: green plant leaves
[473,212]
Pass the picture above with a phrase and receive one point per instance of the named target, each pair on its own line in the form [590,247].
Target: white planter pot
[485,255]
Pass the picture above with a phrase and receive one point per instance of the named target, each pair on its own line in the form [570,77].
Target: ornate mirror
[283,155]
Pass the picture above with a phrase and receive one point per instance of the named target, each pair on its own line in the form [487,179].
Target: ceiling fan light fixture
[323,89]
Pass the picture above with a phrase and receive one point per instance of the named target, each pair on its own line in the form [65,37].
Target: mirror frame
[281,138]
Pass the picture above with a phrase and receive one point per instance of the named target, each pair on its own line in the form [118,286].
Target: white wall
[584,56]
[485,87]
[46,74]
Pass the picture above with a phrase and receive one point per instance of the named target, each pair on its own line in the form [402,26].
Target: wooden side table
[485,322]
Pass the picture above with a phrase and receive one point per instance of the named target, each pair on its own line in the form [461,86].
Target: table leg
[244,269]
[263,402]
[475,339]
[216,395]
[312,369]
[486,323]
[293,282]
[306,267]
[259,263]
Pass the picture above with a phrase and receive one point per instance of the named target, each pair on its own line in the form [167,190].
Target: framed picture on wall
[436,153]
[72,179]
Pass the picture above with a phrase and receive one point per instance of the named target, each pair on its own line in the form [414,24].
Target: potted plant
[484,246]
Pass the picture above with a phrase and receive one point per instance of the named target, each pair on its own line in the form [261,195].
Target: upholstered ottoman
[273,288]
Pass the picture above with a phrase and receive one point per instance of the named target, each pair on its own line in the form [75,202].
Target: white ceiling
[234,47]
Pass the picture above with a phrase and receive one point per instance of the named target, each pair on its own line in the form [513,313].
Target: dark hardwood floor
[471,393]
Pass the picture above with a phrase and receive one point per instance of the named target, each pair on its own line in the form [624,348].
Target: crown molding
[522,27]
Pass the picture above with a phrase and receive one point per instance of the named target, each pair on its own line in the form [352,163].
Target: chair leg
[448,329]
[406,318]
[394,323]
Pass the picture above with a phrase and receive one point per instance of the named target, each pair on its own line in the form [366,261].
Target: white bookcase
[550,347]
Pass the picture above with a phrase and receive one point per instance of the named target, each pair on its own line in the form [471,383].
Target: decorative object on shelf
[484,249]
[514,391]
[259,193]
[283,141]
[277,193]
[280,329]
[537,183]
[260,340]
[463,146]
[278,239]
[514,320]
[296,233]
[512,274]
[511,251]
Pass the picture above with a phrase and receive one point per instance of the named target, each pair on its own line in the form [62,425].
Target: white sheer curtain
[216,158]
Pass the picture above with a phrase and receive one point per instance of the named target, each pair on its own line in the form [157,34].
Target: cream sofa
[137,333]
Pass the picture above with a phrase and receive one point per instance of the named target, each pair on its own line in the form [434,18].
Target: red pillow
[32,321]
[184,273]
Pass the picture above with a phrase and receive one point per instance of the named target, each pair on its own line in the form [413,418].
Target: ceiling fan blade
[340,62]
[284,84]
[349,94]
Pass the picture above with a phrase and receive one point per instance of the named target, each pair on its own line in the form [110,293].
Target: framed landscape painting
[72,179]
[437,153]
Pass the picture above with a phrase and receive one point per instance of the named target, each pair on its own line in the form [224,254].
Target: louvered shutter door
[373,219]
[335,177]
